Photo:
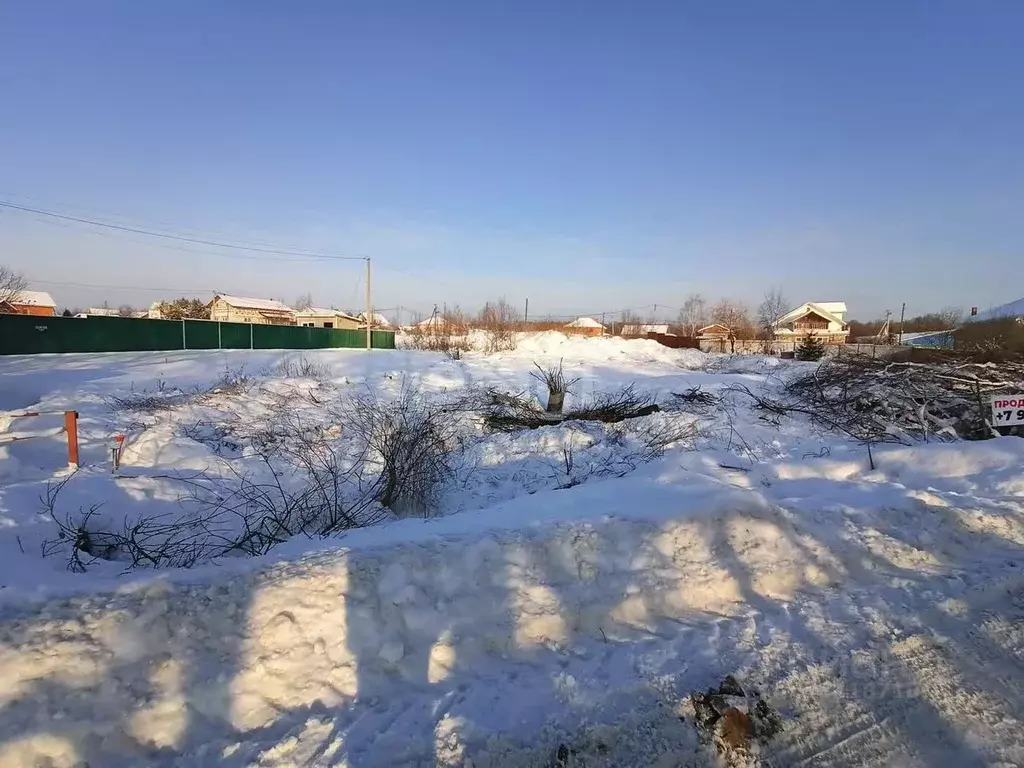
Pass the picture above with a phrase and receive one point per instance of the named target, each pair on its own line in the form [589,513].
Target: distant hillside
[1010,309]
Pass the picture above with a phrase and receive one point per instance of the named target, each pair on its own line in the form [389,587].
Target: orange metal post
[71,426]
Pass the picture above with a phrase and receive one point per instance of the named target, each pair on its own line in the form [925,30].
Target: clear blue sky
[589,155]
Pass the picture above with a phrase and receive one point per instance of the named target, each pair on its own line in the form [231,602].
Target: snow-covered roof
[261,305]
[631,330]
[378,319]
[102,312]
[34,299]
[323,312]
[584,322]
[432,321]
[835,307]
[713,325]
[835,314]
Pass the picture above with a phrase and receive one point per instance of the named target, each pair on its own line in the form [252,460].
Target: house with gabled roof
[584,326]
[244,309]
[326,317]
[815,318]
[29,303]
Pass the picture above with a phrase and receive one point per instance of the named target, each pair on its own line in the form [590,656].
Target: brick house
[584,326]
[30,303]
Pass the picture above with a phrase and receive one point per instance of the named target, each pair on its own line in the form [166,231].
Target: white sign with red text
[1007,410]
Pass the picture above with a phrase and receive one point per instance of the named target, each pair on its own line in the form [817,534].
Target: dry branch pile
[885,401]
[695,400]
[504,412]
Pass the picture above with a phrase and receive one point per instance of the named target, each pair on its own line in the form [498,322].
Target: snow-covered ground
[880,611]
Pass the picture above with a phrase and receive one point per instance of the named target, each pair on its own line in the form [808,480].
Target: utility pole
[526,312]
[369,308]
[902,313]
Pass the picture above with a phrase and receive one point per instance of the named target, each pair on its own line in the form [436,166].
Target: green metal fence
[30,335]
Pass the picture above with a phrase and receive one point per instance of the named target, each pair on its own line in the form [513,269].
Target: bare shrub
[317,473]
[232,381]
[447,332]
[557,384]
[219,438]
[302,367]
[546,324]
[161,397]
[986,340]
[307,485]
[156,541]
[409,442]
[150,400]
[500,321]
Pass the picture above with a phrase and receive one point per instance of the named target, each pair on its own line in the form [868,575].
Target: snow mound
[596,349]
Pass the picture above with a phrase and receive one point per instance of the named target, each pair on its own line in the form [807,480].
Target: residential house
[644,329]
[325,317]
[584,326]
[716,338]
[823,319]
[714,331]
[243,309]
[30,303]
[379,321]
[433,324]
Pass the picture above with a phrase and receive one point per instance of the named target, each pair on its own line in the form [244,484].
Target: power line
[121,287]
[154,224]
[181,248]
[180,238]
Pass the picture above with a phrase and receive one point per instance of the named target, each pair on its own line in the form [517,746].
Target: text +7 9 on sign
[1007,410]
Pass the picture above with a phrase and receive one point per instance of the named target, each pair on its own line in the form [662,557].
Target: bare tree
[12,283]
[631,323]
[126,310]
[733,316]
[305,301]
[499,320]
[951,317]
[694,314]
[771,310]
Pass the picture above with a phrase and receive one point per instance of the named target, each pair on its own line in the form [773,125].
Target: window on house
[328,325]
[307,325]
